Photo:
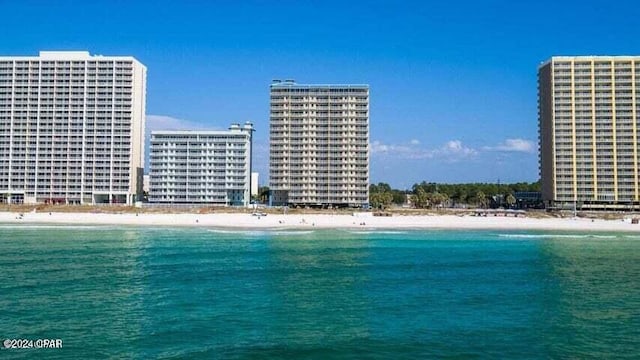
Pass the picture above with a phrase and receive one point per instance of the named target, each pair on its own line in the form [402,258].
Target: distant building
[146,181]
[528,199]
[71,128]
[319,144]
[588,130]
[201,167]
[254,183]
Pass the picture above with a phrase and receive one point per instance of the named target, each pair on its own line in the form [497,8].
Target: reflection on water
[321,294]
[78,285]
[594,300]
[317,289]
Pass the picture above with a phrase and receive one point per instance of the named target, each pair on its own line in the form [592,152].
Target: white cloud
[452,150]
[163,122]
[455,147]
[414,142]
[379,148]
[514,145]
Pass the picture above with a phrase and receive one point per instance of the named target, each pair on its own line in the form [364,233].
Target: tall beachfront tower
[71,128]
[588,131]
[319,144]
[201,167]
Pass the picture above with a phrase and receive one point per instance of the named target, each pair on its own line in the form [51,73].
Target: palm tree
[481,199]
[421,198]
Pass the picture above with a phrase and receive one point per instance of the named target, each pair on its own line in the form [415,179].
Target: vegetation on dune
[433,195]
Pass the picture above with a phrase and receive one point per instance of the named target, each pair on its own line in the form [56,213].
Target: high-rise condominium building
[201,167]
[588,124]
[71,128]
[319,144]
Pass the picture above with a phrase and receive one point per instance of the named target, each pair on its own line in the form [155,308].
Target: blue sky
[453,83]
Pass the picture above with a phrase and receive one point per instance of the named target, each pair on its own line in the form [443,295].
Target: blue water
[197,293]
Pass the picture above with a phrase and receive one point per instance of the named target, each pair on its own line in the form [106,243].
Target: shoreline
[238,221]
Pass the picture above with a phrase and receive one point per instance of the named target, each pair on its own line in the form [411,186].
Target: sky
[453,92]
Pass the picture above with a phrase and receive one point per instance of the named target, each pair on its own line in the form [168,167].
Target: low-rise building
[201,167]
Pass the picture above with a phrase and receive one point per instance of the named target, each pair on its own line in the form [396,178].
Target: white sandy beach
[324,221]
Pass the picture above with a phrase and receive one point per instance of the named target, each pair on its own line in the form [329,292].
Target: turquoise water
[196,293]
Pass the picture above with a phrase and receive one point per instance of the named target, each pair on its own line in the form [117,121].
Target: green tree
[263,194]
[436,199]
[374,200]
[511,200]
[399,197]
[420,198]
[381,199]
[481,199]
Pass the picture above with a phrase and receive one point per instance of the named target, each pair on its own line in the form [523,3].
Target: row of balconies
[32,83]
[159,170]
[91,104]
[314,124]
[350,139]
[298,149]
[319,169]
[312,108]
[171,179]
[78,66]
[317,163]
[212,141]
[198,161]
[277,157]
[358,183]
[211,189]
[319,116]
[283,99]
[320,176]
[313,173]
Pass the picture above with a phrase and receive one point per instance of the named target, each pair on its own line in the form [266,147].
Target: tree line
[429,195]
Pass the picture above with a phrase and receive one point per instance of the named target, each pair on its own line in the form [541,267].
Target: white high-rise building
[588,124]
[319,144]
[201,167]
[71,128]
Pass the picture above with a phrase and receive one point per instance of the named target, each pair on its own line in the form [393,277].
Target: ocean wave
[61,226]
[262,232]
[383,232]
[561,236]
[291,232]
[237,232]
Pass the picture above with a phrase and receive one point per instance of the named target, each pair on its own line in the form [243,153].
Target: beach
[322,221]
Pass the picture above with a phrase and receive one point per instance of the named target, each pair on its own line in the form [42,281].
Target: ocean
[173,293]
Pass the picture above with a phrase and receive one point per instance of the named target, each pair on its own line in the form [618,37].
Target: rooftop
[589,57]
[292,84]
[67,55]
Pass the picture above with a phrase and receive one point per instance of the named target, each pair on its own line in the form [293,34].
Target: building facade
[319,144]
[71,128]
[201,167]
[254,183]
[588,131]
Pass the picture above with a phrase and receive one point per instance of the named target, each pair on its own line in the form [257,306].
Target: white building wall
[201,167]
[254,183]
[71,128]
